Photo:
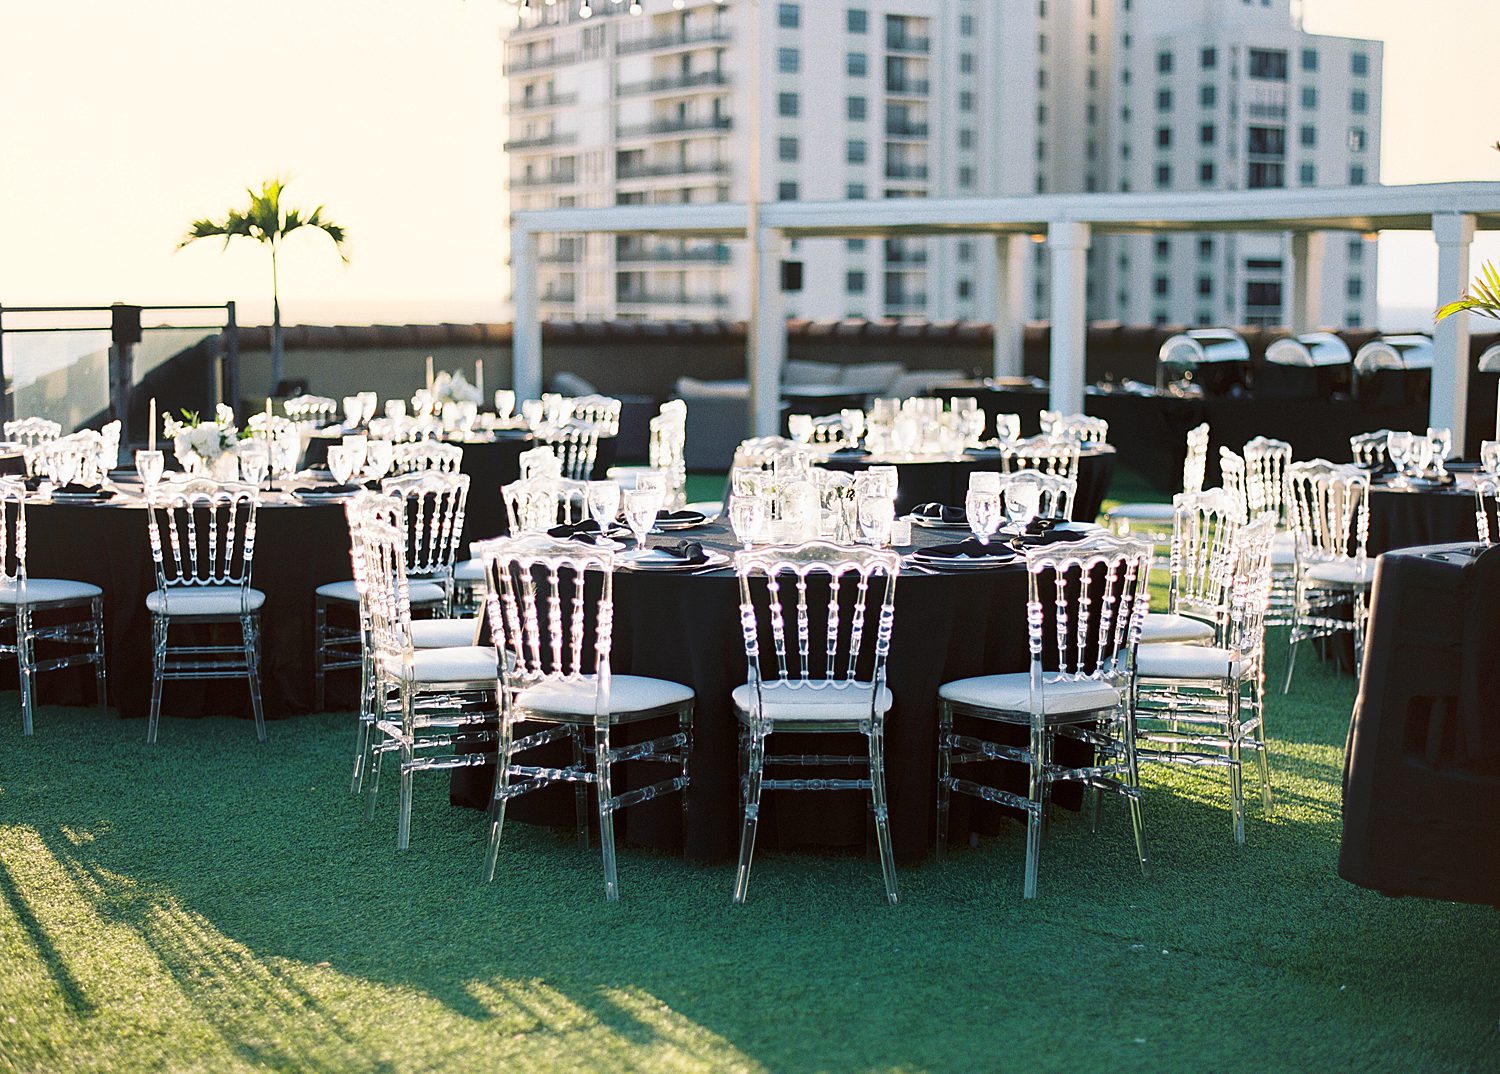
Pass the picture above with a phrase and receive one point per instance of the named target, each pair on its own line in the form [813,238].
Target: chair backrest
[1057,493]
[1201,563]
[1195,462]
[386,599]
[816,638]
[1093,595]
[550,606]
[539,462]
[537,504]
[1082,428]
[314,408]
[1250,590]
[83,450]
[109,446]
[1266,461]
[761,451]
[29,432]
[418,456]
[598,410]
[1369,449]
[1233,478]
[666,453]
[202,534]
[575,444]
[1486,508]
[1328,509]
[1048,455]
[434,518]
[12,531]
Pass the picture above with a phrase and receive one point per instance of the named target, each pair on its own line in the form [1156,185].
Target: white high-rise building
[878,99]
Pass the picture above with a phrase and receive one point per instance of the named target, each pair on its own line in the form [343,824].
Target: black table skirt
[1412,519]
[297,549]
[686,629]
[948,482]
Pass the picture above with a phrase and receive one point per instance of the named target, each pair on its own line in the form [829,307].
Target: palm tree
[264,220]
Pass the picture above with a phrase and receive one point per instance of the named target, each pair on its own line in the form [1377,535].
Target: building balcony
[907,43]
[906,131]
[559,297]
[905,304]
[676,168]
[712,255]
[676,40]
[539,63]
[644,298]
[550,179]
[558,257]
[906,87]
[708,124]
[906,172]
[704,80]
[541,141]
[542,104]
[900,256]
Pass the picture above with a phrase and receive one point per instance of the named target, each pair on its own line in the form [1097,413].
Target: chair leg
[602,766]
[101,676]
[1291,645]
[945,774]
[320,639]
[1137,810]
[1263,762]
[580,791]
[1236,767]
[403,821]
[158,671]
[250,633]
[882,812]
[26,662]
[754,771]
[363,729]
[1035,808]
[685,725]
[500,796]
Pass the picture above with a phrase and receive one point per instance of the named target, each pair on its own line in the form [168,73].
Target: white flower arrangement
[196,440]
[453,388]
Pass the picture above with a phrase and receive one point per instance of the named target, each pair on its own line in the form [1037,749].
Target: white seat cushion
[792,700]
[421,592]
[1012,693]
[470,570]
[1186,662]
[1342,572]
[1284,557]
[1284,541]
[460,663]
[627,693]
[43,590]
[443,633]
[203,600]
[1169,626]
[1143,512]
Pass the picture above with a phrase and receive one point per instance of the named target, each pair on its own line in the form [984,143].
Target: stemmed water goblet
[604,504]
[800,426]
[876,514]
[747,515]
[505,403]
[357,445]
[1489,456]
[369,404]
[255,462]
[1442,449]
[982,508]
[341,463]
[354,409]
[641,506]
[395,409]
[1023,499]
[379,455]
[150,466]
[1398,448]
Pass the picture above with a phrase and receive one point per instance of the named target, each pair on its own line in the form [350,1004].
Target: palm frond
[1483,296]
[263,219]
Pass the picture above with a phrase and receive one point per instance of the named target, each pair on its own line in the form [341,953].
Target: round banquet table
[298,547]
[946,480]
[1410,518]
[686,628]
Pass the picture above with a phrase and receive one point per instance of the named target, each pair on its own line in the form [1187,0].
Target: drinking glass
[1398,447]
[800,512]
[286,450]
[747,515]
[395,409]
[64,466]
[369,403]
[983,509]
[876,514]
[641,506]
[1023,499]
[906,433]
[354,408]
[1008,426]
[1442,449]
[379,454]
[150,465]
[984,481]
[357,445]
[1489,456]
[800,426]
[604,503]
[532,411]
[884,481]
[854,421]
[1421,455]
[505,403]
[341,463]
[255,461]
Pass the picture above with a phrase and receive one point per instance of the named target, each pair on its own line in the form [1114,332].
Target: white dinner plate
[653,560]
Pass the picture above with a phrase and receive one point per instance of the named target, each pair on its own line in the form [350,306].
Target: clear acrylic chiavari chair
[1205,704]
[551,612]
[817,621]
[1266,461]
[1369,449]
[600,411]
[1200,568]
[1150,521]
[576,446]
[537,504]
[1329,507]
[540,462]
[1055,493]
[1083,428]
[1084,609]
[424,699]
[1042,454]
[203,544]
[31,433]
[1486,508]
[421,456]
[23,599]
[1233,479]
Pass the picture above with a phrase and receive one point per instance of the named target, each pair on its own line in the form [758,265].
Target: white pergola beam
[1307,280]
[1068,242]
[526,332]
[1449,403]
[768,342]
[1010,299]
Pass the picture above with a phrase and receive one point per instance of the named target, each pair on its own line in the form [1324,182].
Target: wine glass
[341,463]
[354,409]
[1008,426]
[358,446]
[876,514]
[395,409]
[150,465]
[505,403]
[255,461]
[1442,449]
[532,412]
[854,422]
[1489,456]
[369,403]
[747,515]
[604,503]
[641,506]
[1421,455]
[379,454]
[906,433]
[1398,447]
[983,511]
[884,481]
[64,465]
[1023,499]
[984,481]
[800,426]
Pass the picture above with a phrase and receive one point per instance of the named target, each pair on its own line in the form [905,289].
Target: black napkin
[1051,536]
[1043,525]
[687,551]
[73,488]
[330,489]
[969,549]
[34,482]
[850,451]
[938,512]
[586,532]
[982,452]
[680,516]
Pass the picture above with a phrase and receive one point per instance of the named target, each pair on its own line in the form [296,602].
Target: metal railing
[719,255]
[907,87]
[675,126]
[651,171]
[701,80]
[541,141]
[537,63]
[674,39]
[637,298]
[549,179]
[537,104]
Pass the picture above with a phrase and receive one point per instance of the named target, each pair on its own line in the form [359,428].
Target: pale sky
[124,121]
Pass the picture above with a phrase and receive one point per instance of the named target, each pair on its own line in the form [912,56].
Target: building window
[1205,172]
[856,64]
[788,60]
[857,151]
[965,177]
[786,191]
[855,192]
[1164,100]
[1163,248]
[966,26]
[1041,44]
[857,20]
[1356,175]
[788,105]
[787,149]
[1041,150]
[1205,249]
[966,63]
[854,282]
[1359,102]
[788,16]
[1163,175]
[1164,137]
[854,246]
[1353,319]
[1309,59]
[1041,114]
[1307,175]
[1205,285]
[1357,139]
[1356,251]
[1207,134]
[1124,150]
[1308,135]
[1208,59]
[1355,288]
[1159,286]
[857,108]
[1041,79]
[1163,63]
[1309,97]
[1268,64]
[966,101]
[1208,96]
[1091,113]
[1359,63]
[965,138]
[1125,77]
[965,289]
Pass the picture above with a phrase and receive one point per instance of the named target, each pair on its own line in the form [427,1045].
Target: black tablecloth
[948,481]
[1411,518]
[297,549]
[686,628]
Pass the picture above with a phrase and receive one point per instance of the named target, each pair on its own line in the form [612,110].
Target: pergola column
[767,335]
[1010,287]
[526,332]
[1307,280]
[1068,241]
[1450,338]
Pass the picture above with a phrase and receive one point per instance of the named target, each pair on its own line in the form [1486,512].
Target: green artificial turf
[211,904]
